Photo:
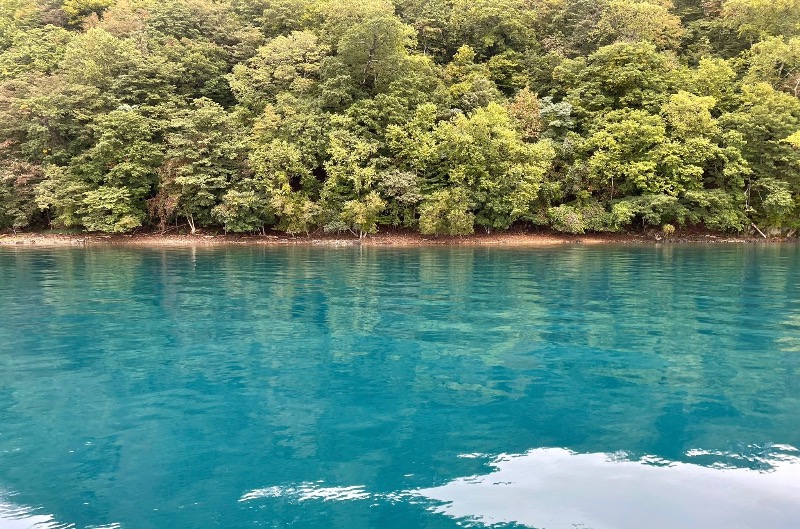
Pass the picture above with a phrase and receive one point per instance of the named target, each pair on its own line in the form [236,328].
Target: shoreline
[388,239]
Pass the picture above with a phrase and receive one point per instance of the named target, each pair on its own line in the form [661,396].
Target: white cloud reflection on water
[16,517]
[554,488]
[13,516]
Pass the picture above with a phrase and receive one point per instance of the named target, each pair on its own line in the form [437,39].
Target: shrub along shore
[440,117]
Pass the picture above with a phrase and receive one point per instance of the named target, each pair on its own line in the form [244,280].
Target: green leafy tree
[765,119]
[635,21]
[624,155]
[36,50]
[776,61]
[61,194]
[287,185]
[243,210]
[712,77]
[205,155]
[441,115]
[371,50]
[335,17]
[196,69]
[351,171]
[105,188]
[18,181]
[77,10]
[446,212]
[361,215]
[96,58]
[430,20]
[491,27]
[286,63]
[46,119]
[485,155]
[526,110]
[110,209]
[757,19]
[469,84]
[618,76]
[276,17]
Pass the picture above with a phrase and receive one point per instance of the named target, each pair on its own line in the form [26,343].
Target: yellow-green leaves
[286,63]
[446,212]
[793,140]
[689,116]
[372,50]
[77,10]
[757,19]
[776,60]
[636,20]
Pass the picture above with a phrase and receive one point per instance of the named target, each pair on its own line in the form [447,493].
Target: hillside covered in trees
[442,116]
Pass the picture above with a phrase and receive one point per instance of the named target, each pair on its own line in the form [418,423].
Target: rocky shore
[387,239]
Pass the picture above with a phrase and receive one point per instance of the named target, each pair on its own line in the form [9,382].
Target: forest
[437,116]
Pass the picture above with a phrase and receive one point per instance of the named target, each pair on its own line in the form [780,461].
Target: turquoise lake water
[571,387]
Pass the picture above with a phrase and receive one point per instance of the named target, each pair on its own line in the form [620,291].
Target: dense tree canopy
[442,116]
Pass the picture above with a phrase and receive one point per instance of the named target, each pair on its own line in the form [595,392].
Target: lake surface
[571,387]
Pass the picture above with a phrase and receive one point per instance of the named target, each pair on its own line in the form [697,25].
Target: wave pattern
[154,388]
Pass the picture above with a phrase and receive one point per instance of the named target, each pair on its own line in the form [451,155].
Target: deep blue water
[593,387]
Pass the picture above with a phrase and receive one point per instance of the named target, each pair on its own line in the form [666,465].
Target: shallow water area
[601,387]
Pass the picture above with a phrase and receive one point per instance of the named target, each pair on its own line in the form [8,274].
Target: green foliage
[765,118]
[361,215]
[635,20]
[274,17]
[402,194]
[298,213]
[370,52]
[526,110]
[581,217]
[110,209]
[491,26]
[567,219]
[243,211]
[62,195]
[77,10]
[205,155]
[776,203]
[125,153]
[18,181]
[469,86]
[776,61]
[650,210]
[757,19]
[716,209]
[445,212]
[436,115]
[618,76]
[287,185]
[38,50]
[485,156]
[624,154]
[96,58]
[712,77]
[285,63]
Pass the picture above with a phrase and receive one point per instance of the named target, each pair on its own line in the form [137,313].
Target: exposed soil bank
[380,239]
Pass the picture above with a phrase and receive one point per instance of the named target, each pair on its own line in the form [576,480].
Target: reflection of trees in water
[241,367]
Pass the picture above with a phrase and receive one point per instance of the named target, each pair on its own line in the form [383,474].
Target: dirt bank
[381,239]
